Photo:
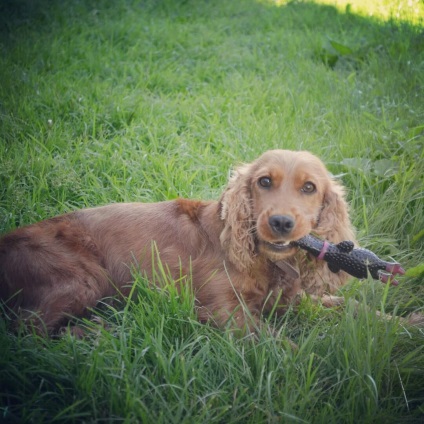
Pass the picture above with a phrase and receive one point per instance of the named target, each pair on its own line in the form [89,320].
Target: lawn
[107,101]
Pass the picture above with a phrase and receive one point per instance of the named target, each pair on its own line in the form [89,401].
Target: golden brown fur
[60,267]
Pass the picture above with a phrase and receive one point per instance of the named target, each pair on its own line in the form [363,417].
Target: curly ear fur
[334,223]
[335,226]
[237,237]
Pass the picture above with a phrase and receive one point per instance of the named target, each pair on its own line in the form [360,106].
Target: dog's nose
[281,224]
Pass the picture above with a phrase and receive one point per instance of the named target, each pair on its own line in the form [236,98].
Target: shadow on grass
[359,33]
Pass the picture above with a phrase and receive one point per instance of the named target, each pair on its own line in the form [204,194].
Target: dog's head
[280,197]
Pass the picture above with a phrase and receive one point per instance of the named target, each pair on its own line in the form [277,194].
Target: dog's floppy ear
[237,237]
[334,223]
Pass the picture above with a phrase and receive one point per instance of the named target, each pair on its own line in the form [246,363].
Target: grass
[105,101]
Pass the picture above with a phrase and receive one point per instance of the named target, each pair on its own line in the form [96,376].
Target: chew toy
[357,262]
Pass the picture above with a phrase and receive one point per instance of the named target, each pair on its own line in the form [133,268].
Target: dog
[235,252]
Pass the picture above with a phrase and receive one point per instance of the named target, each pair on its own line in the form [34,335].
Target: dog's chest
[285,278]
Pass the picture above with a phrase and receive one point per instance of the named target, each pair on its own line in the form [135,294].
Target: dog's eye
[265,182]
[309,188]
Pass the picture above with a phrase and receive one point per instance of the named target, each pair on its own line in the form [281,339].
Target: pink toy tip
[384,278]
[395,269]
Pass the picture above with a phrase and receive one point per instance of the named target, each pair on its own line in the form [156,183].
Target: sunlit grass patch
[411,11]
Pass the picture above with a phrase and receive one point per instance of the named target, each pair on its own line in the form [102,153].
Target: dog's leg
[329,301]
[51,307]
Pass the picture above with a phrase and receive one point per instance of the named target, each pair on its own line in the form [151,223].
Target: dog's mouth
[279,246]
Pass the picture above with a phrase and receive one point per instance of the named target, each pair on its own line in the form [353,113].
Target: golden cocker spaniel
[235,251]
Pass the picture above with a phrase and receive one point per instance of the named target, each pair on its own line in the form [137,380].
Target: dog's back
[52,268]
[62,266]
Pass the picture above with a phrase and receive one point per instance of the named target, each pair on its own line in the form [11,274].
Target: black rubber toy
[357,262]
